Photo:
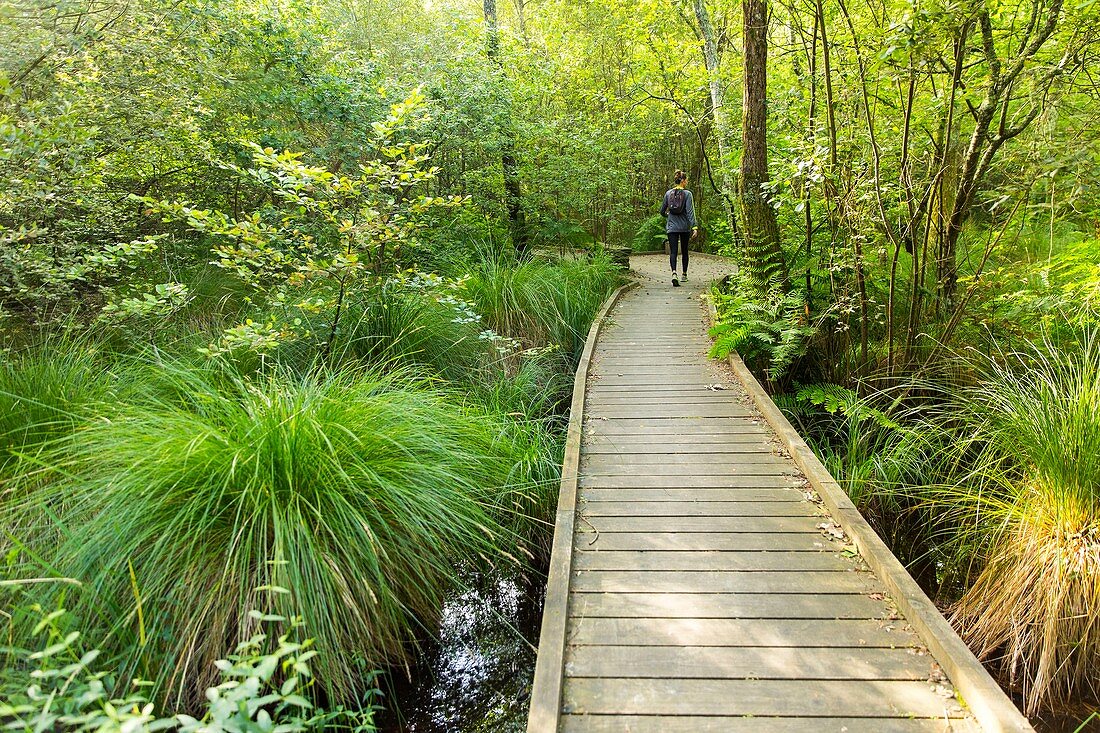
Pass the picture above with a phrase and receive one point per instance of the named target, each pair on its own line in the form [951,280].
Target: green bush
[265,683]
[415,324]
[358,493]
[768,330]
[650,236]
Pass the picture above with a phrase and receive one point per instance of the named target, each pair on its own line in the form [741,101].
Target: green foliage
[539,302]
[47,392]
[1020,457]
[358,493]
[769,331]
[264,687]
[330,231]
[650,236]
[835,399]
[419,322]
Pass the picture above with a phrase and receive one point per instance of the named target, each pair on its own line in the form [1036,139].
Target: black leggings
[678,240]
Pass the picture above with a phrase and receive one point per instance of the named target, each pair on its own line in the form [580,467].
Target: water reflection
[477,677]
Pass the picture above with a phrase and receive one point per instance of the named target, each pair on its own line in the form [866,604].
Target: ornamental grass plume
[358,493]
[1032,501]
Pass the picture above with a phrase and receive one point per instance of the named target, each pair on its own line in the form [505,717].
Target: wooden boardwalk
[703,584]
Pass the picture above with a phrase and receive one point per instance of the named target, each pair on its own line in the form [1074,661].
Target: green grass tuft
[358,493]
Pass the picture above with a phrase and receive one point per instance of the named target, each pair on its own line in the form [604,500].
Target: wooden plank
[624,479]
[650,411]
[686,388]
[675,426]
[701,524]
[750,452]
[749,541]
[742,449]
[804,633]
[726,605]
[665,581]
[691,464]
[699,509]
[602,399]
[709,560]
[645,438]
[758,724]
[763,663]
[674,495]
[882,698]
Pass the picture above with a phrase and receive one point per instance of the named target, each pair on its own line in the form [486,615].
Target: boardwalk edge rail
[550,665]
[991,707]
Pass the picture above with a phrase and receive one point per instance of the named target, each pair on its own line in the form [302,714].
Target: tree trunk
[986,139]
[513,195]
[762,250]
[718,111]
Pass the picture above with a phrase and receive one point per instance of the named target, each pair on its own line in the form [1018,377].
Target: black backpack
[677,202]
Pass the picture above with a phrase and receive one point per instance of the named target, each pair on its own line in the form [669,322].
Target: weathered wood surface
[706,592]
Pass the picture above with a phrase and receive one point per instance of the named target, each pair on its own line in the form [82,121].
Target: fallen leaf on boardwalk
[715,387]
[936,675]
[832,529]
[877,596]
[944,691]
[812,496]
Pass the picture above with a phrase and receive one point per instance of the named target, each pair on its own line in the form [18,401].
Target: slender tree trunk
[986,139]
[830,99]
[807,189]
[513,195]
[718,112]
[762,248]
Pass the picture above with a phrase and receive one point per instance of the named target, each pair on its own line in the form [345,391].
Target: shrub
[650,236]
[414,324]
[768,330]
[358,493]
[263,685]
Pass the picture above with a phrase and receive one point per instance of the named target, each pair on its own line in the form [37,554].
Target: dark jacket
[684,222]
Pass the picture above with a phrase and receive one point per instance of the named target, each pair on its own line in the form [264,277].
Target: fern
[728,338]
[836,399]
[766,329]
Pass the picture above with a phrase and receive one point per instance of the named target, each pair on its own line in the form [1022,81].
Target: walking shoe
[684,279]
[675,282]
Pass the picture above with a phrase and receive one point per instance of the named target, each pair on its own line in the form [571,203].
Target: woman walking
[681,226]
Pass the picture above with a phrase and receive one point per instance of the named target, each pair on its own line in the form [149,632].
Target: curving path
[707,587]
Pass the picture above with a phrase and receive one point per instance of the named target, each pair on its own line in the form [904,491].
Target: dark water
[1078,720]
[477,676]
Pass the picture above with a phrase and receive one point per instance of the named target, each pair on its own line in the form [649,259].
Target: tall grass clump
[358,493]
[1029,435]
[46,391]
[392,325]
[539,301]
[530,399]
